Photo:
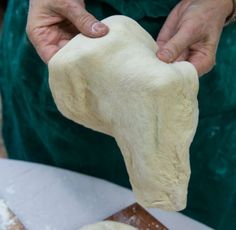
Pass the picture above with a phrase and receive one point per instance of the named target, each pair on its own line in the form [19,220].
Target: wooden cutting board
[138,217]
[134,215]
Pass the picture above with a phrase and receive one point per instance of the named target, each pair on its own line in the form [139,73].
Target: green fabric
[35,131]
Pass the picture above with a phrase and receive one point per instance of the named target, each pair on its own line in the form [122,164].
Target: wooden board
[134,215]
[138,217]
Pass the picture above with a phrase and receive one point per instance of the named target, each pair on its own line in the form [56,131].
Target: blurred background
[3,5]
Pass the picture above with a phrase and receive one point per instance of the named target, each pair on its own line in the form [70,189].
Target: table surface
[48,198]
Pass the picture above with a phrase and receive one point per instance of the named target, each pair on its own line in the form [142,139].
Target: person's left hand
[192,32]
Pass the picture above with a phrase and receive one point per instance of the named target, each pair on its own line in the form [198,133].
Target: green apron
[34,130]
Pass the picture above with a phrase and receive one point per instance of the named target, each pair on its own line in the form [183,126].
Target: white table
[48,198]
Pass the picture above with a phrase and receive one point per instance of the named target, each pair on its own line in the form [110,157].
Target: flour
[6,219]
[49,227]
[10,190]
[108,225]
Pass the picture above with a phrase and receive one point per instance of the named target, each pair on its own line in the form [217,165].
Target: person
[191,30]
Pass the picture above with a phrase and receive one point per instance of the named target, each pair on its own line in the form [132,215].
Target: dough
[117,85]
[108,225]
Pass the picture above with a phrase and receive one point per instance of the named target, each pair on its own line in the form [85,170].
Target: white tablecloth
[48,198]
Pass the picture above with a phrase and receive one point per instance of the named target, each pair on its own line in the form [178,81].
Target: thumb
[85,22]
[177,45]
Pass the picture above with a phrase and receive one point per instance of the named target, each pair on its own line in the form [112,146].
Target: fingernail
[166,54]
[99,27]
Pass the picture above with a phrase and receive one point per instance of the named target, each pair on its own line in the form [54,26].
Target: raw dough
[108,225]
[117,85]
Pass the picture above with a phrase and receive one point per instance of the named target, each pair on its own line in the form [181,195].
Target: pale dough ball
[108,225]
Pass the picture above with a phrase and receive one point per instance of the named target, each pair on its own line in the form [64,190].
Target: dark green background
[35,131]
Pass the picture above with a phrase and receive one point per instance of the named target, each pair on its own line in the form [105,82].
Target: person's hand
[52,23]
[192,31]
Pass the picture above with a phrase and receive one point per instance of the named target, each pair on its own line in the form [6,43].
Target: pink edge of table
[49,198]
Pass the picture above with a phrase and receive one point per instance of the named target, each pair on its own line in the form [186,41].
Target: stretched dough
[117,85]
[108,225]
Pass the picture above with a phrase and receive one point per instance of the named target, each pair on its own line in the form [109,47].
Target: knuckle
[74,11]
[84,19]
[175,48]
[195,30]
[65,7]
[81,2]
[70,6]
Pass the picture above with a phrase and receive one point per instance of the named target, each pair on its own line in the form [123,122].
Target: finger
[184,38]
[184,56]
[168,29]
[46,41]
[46,52]
[86,23]
[203,62]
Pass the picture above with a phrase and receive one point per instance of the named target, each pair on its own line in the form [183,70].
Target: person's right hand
[52,23]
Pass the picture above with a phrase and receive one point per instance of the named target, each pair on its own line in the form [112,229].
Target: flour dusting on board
[10,190]
[5,216]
